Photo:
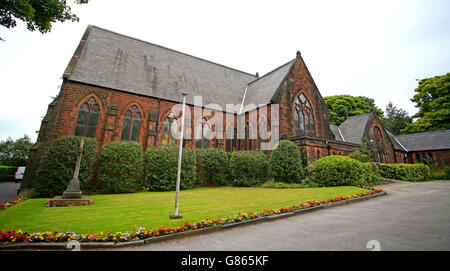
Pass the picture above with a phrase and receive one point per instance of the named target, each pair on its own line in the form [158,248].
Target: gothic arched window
[131,124]
[304,117]
[87,119]
[202,135]
[231,139]
[169,130]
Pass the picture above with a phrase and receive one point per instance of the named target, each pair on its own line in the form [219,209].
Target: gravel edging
[64,246]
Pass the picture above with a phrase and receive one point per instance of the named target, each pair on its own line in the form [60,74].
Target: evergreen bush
[335,170]
[57,165]
[286,163]
[405,172]
[121,167]
[212,166]
[161,164]
[248,168]
[5,171]
[371,174]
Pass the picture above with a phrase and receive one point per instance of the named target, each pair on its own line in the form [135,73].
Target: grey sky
[369,48]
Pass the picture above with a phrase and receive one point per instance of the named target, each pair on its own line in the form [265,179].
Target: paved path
[413,216]
[8,191]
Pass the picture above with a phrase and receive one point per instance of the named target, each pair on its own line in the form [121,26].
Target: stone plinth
[60,201]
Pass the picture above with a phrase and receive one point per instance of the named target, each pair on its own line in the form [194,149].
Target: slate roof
[436,140]
[353,128]
[337,133]
[261,90]
[394,140]
[119,62]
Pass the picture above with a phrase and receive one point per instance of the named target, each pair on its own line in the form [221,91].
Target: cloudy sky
[370,48]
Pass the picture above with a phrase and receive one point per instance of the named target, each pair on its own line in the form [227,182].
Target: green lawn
[128,212]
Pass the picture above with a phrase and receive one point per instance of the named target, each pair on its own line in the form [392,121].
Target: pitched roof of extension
[108,59]
[353,128]
[436,140]
[337,133]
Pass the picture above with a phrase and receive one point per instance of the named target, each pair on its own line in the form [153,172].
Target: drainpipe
[157,123]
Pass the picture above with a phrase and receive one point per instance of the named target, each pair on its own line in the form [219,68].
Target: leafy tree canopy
[433,100]
[15,152]
[38,14]
[343,106]
[396,119]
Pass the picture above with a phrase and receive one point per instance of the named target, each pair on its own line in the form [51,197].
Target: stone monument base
[60,201]
[71,195]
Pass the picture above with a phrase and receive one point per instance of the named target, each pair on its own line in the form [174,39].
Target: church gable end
[299,84]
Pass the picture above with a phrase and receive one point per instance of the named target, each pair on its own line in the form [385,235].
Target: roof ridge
[428,132]
[271,71]
[360,115]
[166,48]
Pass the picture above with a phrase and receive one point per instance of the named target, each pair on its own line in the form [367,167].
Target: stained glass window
[131,125]
[169,130]
[87,119]
[304,121]
[202,135]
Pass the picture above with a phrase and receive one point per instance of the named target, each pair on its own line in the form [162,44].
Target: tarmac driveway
[413,216]
[8,191]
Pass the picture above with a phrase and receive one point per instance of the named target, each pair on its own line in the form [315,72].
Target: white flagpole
[180,154]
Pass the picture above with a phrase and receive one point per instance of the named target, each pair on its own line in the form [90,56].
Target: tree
[343,106]
[396,118]
[15,153]
[38,14]
[433,100]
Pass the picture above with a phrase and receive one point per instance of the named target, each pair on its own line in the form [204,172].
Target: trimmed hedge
[286,163]
[371,174]
[212,166]
[5,171]
[161,164]
[57,165]
[405,172]
[335,170]
[248,168]
[121,167]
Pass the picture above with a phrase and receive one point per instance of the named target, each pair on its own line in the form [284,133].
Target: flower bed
[142,233]
[13,202]
[54,203]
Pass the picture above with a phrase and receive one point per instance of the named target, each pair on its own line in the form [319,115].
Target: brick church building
[119,88]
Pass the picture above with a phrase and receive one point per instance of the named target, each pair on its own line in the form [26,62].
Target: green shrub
[121,167]
[212,166]
[335,170]
[286,163]
[161,164]
[371,174]
[447,172]
[5,171]
[405,172]
[248,168]
[199,156]
[438,174]
[57,165]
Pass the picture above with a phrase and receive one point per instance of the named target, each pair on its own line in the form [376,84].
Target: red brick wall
[110,122]
[441,157]
[383,145]
[300,81]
